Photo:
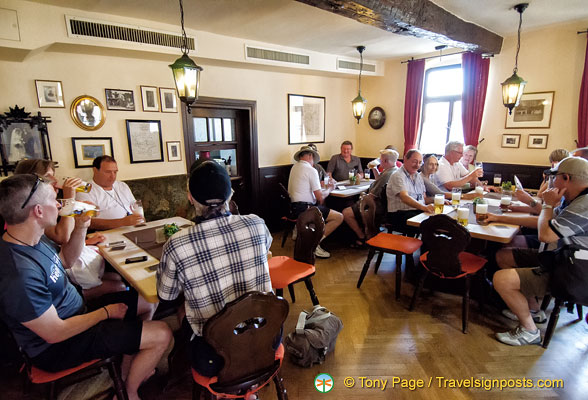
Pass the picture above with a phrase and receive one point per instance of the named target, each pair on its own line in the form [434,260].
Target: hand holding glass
[137,209]
[482,214]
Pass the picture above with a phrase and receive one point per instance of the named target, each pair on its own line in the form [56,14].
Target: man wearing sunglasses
[44,311]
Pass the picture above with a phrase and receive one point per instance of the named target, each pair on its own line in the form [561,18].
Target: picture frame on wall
[168,100]
[534,111]
[85,149]
[174,151]
[144,137]
[511,140]
[537,142]
[119,99]
[149,98]
[49,94]
[306,119]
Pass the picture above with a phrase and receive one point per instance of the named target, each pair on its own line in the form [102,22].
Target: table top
[344,189]
[140,275]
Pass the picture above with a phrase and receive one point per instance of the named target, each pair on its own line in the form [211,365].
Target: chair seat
[40,376]
[289,219]
[285,270]
[399,243]
[470,264]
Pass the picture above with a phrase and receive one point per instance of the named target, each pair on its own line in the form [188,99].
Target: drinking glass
[439,201]
[479,190]
[482,214]
[455,196]
[366,174]
[137,209]
[505,202]
[497,179]
[463,215]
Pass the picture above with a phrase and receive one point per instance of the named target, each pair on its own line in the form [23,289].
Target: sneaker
[539,316]
[294,233]
[321,253]
[519,336]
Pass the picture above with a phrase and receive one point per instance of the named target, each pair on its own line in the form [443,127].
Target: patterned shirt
[571,221]
[339,168]
[213,263]
[401,181]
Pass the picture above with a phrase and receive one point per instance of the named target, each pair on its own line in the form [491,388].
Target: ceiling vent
[276,56]
[344,65]
[86,28]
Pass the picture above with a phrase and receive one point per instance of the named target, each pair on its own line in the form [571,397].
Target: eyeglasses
[33,190]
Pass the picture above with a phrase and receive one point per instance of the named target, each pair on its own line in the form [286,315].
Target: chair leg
[280,292]
[417,289]
[51,391]
[313,298]
[366,266]
[398,274]
[465,311]
[119,387]
[280,389]
[545,302]
[287,231]
[379,261]
[580,312]
[291,290]
[552,323]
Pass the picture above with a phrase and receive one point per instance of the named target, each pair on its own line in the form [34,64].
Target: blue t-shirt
[32,279]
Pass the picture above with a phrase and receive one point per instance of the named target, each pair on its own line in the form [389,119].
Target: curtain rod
[442,55]
[580,32]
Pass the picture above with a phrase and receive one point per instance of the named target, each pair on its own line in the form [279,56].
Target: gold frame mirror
[88,113]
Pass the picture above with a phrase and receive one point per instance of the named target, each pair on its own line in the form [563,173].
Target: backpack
[315,336]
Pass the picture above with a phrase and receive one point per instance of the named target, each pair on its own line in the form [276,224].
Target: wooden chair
[446,258]
[384,243]
[285,271]
[288,218]
[244,334]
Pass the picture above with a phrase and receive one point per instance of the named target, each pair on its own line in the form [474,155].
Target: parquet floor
[381,339]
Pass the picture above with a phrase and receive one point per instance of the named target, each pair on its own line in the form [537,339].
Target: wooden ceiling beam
[419,18]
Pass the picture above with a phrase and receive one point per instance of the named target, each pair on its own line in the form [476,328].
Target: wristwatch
[546,206]
[533,203]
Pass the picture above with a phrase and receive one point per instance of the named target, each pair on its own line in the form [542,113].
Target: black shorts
[298,208]
[398,221]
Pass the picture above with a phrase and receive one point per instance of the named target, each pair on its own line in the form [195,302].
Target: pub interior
[276,76]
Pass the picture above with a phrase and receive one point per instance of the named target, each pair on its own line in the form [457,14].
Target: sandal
[358,244]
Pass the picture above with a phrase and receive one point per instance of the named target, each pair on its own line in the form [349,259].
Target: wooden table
[351,190]
[141,275]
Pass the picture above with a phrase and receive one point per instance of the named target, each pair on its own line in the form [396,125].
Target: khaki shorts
[534,281]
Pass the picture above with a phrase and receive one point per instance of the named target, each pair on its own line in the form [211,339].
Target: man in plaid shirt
[214,262]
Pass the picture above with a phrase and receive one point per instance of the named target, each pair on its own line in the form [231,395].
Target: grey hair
[206,212]
[390,156]
[453,145]
[470,147]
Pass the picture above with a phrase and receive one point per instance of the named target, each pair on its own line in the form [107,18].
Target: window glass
[434,129]
[444,82]
[200,134]
[229,128]
[216,130]
[456,131]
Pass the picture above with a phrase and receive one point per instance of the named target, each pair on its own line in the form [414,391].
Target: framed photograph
[49,94]
[87,149]
[537,142]
[533,111]
[149,98]
[306,119]
[145,143]
[513,141]
[173,151]
[168,100]
[118,99]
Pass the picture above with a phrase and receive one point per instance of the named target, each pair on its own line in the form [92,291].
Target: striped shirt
[401,181]
[572,221]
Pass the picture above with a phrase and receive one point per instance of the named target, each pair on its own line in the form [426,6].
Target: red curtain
[475,82]
[412,102]
[583,107]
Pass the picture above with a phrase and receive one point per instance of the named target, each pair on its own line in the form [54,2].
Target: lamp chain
[360,69]
[184,37]
[518,42]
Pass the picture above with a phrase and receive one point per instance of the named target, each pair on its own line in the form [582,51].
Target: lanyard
[419,196]
[117,199]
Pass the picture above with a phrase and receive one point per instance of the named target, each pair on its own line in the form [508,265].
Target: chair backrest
[244,333]
[310,227]
[233,207]
[445,239]
[367,209]
[285,200]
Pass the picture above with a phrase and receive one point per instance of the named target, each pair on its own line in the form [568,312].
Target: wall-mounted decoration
[149,98]
[306,119]
[533,111]
[537,142]
[87,113]
[168,100]
[173,151]
[49,94]
[145,143]
[512,141]
[22,136]
[118,99]
[377,117]
[87,149]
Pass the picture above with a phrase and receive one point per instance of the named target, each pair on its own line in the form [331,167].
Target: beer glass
[439,201]
[137,209]
[463,216]
[455,197]
[72,208]
[505,202]
[482,214]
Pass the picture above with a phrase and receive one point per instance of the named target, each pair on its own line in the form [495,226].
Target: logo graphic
[323,383]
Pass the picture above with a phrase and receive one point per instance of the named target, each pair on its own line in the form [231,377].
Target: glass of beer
[455,197]
[439,201]
[482,214]
[72,208]
[497,179]
[505,202]
[84,187]
[137,209]
[463,216]
[479,190]
[366,174]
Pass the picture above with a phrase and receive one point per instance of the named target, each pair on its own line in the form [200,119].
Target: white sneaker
[539,316]
[321,253]
[519,336]
[294,233]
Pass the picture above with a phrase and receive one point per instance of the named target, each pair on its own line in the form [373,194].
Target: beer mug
[463,216]
[84,187]
[439,201]
[137,209]
[505,202]
[497,179]
[482,214]
[479,190]
[455,196]
[72,208]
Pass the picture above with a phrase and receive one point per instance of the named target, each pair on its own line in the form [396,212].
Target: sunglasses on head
[33,190]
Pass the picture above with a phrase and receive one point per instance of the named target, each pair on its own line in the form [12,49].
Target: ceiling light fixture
[513,87]
[359,103]
[186,72]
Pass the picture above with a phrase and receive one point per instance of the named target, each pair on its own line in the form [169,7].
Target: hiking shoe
[539,316]
[519,336]
[294,233]
[321,253]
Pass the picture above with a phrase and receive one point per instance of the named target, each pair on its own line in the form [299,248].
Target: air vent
[277,56]
[79,27]
[354,66]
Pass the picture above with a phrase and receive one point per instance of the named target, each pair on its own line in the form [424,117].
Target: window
[215,136]
[441,111]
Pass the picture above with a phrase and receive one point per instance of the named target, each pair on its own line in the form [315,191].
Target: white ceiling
[293,24]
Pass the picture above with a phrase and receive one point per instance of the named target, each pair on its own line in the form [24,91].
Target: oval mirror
[87,113]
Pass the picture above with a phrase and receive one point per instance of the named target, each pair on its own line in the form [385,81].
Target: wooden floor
[381,339]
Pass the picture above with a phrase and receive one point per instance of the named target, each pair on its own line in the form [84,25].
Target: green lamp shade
[359,105]
[187,78]
[512,90]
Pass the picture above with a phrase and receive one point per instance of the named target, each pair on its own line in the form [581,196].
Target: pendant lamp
[513,87]
[359,103]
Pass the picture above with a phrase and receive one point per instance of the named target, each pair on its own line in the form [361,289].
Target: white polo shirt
[449,173]
[303,182]
[113,204]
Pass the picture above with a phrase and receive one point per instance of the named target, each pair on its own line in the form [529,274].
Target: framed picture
[87,113]
[533,111]
[168,100]
[49,94]
[173,151]
[537,142]
[513,141]
[118,99]
[306,119]
[149,98]
[87,149]
[144,141]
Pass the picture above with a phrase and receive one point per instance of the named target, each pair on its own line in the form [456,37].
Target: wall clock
[377,117]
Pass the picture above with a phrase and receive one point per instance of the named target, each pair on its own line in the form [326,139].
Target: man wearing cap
[215,261]
[305,190]
[564,217]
